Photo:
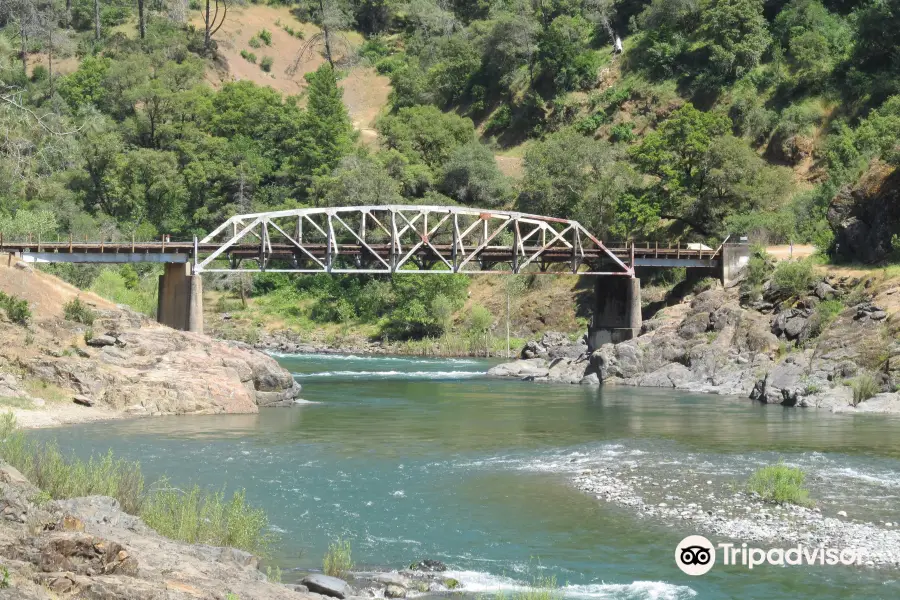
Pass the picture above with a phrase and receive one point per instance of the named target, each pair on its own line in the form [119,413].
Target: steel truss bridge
[385,239]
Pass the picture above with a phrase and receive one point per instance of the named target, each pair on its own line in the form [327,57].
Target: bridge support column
[734,258]
[617,311]
[180,300]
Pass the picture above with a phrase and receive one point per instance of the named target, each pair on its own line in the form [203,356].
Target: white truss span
[412,239]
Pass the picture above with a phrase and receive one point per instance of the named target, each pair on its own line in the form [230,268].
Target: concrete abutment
[180,300]
[617,311]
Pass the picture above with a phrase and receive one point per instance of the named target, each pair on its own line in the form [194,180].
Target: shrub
[16,309]
[793,277]
[266,63]
[266,36]
[248,56]
[338,561]
[864,387]
[500,120]
[78,311]
[623,132]
[255,42]
[588,125]
[779,483]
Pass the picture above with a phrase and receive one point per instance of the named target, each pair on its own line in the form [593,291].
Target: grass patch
[199,516]
[864,387]
[781,484]
[78,311]
[12,402]
[47,391]
[141,296]
[196,516]
[338,560]
[823,316]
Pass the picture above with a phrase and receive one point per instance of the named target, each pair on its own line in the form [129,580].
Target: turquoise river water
[413,458]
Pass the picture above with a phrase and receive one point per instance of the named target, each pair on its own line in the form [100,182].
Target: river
[413,458]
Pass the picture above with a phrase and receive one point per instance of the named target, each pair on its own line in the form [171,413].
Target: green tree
[736,36]
[564,54]
[358,181]
[328,133]
[703,173]
[425,134]
[573,177]
[471,177]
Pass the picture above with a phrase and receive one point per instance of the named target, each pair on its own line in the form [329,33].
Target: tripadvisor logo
[696,555]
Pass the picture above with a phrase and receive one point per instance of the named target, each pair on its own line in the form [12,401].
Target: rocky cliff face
[125,363]
[866,216]
[89,548]
[771,350]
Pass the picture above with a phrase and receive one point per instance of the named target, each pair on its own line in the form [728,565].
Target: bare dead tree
[211,20]
[330,41]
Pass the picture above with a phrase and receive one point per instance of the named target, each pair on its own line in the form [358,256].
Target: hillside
[718,117]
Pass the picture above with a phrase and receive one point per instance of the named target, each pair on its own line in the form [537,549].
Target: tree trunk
[325,32]
[207,36]
[24,38]
[68,14]
[50,54]
[97,20]
[141,22]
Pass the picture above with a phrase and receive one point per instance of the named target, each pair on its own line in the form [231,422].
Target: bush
[16,309]
[623,132]
[793,277]
[266,36]
[500,120]
[864,387]
[248,56]
[780,483]
[266,63]
[255,42]
[338,561]
[78,311]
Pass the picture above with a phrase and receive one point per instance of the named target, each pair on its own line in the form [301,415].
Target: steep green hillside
[719,116]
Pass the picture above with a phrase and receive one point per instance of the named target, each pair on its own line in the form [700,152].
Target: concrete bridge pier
[617,311]
[180,304]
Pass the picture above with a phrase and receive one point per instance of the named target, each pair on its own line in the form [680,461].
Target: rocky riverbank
[89,548]
[776,349]
[54,370]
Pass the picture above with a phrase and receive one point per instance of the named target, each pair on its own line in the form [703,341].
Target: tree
[512,42]
[327,134]
[331,16]
[425,134]
[564,53]
[211,20]
[573,177]
[471,177]
[703,173]
[736,35]
[815,40]
[142,23]
[357,181]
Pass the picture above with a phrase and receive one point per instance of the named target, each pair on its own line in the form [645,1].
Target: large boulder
[327,585]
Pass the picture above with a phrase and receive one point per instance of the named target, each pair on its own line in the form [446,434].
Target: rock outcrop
[125,363]
[88,548]
[771,350]
[866,216]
